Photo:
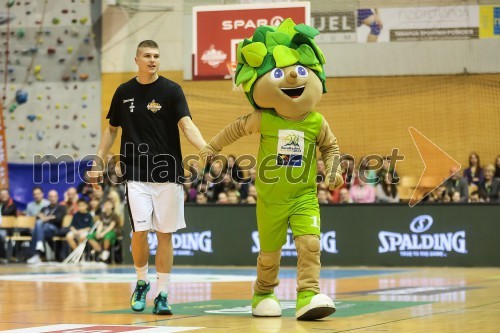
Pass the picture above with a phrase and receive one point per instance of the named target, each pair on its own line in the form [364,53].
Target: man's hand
[206,153]
[96,176]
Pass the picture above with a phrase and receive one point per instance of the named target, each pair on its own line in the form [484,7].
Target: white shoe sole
[267,308]
[321,306]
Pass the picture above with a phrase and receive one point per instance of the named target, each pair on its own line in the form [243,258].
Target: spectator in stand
[489,188]
[497,167]
[201,199]
[94,207]
[474,197]
[39,202]
[386,167]
[8,206]
[437,195]
[115,184]
[80,225]
[85,189]
[70,201]
[474,173]
[386,190]
[361,192]
[457,184]
[105,231]
[368,175]
[252,191]
[222,198]
[323,196]
[344,196]
[226,185]
[117,204]
[347,165]
[320,171]
[233,196]
[455,197]
[251,200]
[446,198]
[233,169]
[47,225]
[252,175]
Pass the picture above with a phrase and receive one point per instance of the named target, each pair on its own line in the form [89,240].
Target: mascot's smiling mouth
[293,92]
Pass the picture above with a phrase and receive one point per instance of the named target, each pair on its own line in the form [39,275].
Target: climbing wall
[50,77]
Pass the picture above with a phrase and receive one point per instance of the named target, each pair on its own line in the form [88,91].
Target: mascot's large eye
[301,71]
[277,74]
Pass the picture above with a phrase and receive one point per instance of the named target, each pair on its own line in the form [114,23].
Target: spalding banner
[217,30]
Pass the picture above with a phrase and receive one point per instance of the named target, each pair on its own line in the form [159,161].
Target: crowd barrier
[352,235]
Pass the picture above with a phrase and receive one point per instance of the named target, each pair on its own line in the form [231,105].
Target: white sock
[142,273]
[39,246]
[163,281]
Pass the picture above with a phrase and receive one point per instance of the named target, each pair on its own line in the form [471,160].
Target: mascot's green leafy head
[281,46]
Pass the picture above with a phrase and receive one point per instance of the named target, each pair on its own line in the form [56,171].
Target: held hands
[207,152]
[336,182]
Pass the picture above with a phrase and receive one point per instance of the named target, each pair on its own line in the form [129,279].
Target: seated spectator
[489,188]
[114,184]
[361,192]
[474,173]
[367,174]
[386,167]
[457,184]
[347,167]
[233,169]
[474,197]
[226,185]
[251,200]
[437,195]
[222,198]
[80,225]
[233,196]
[47,225]
[85,189]
[201,199]
[386,190]
[8,206]
[497,167]
[34,207]
[117,204]
[94,207]
[70,201]
[344,196]
[455,197]
[105,231]
[323,196]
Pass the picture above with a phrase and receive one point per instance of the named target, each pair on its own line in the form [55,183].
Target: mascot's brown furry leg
[311,304]
[264,302]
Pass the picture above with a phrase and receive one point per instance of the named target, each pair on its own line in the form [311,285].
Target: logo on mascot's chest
[290,148]
[154,106]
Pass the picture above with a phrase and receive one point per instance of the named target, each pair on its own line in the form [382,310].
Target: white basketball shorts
[158,206]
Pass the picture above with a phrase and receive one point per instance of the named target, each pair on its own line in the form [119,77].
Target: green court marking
[348,308]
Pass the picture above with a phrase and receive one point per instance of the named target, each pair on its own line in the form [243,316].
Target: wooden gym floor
[84,298]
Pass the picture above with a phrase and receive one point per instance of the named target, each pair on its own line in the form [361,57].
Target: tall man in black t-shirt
[150,108]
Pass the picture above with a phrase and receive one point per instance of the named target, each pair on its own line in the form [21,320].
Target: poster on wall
[217,30]
[489,21]
[335,27]
[417,23]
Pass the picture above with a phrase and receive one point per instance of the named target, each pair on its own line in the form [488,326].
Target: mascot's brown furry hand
[281,71]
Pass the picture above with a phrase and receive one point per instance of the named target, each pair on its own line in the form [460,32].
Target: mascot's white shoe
[265,305]
[311,306]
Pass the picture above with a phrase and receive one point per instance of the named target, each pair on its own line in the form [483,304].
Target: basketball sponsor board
[217,30]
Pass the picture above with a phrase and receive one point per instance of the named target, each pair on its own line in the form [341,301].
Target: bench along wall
[368,235]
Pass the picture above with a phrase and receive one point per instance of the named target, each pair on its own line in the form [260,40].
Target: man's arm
[191,132]
[107,140]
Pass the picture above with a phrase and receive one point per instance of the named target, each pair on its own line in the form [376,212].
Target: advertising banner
[417,23]
[217,30]
[351,235]
[335,27]
[489,21]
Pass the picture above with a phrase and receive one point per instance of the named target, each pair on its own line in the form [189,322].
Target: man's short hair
[82,200]
[37,188]
[148,43]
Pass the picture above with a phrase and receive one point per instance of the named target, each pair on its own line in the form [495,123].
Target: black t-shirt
[148,115]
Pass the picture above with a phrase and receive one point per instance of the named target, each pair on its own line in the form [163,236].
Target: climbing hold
[62,60]
[12,117]
[40,135]
[74,21]
[81,58]
[21,127]
[65,127]
[37,69]
[93,134]
[39,117]
[39,78]
[22,156]
[57,145]
[84,125]
[12,107]
[84,106]
[70,49]
[56,21]
[39,97]
[84,77]
[90,57]
[59,40]
[74,32]
[57,106]
[57,125]
[51,50]
[65,11]
[31,117]
[10,3]
[84,97]
[10,70]
[21,96]
[66,106]
[65,78]
[75,117]
[83,20]
[20,33]
[74,146]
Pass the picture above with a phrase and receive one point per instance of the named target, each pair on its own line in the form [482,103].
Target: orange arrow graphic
[438,166]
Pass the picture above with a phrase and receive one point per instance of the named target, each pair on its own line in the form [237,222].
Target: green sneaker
[161,305]
[138,299]
[312,306]
[265,305]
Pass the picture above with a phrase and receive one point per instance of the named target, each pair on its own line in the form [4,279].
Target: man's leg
[36,241]
[164,260]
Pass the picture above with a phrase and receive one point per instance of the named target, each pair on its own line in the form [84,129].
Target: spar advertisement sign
[217,30]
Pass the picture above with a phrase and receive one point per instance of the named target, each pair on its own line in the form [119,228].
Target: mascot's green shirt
[287,158]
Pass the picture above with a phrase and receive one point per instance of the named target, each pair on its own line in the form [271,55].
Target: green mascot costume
[281,71]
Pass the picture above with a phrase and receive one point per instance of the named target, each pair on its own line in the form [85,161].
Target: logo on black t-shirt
[154,107]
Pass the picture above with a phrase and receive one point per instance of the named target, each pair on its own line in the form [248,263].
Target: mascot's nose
[291,77]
